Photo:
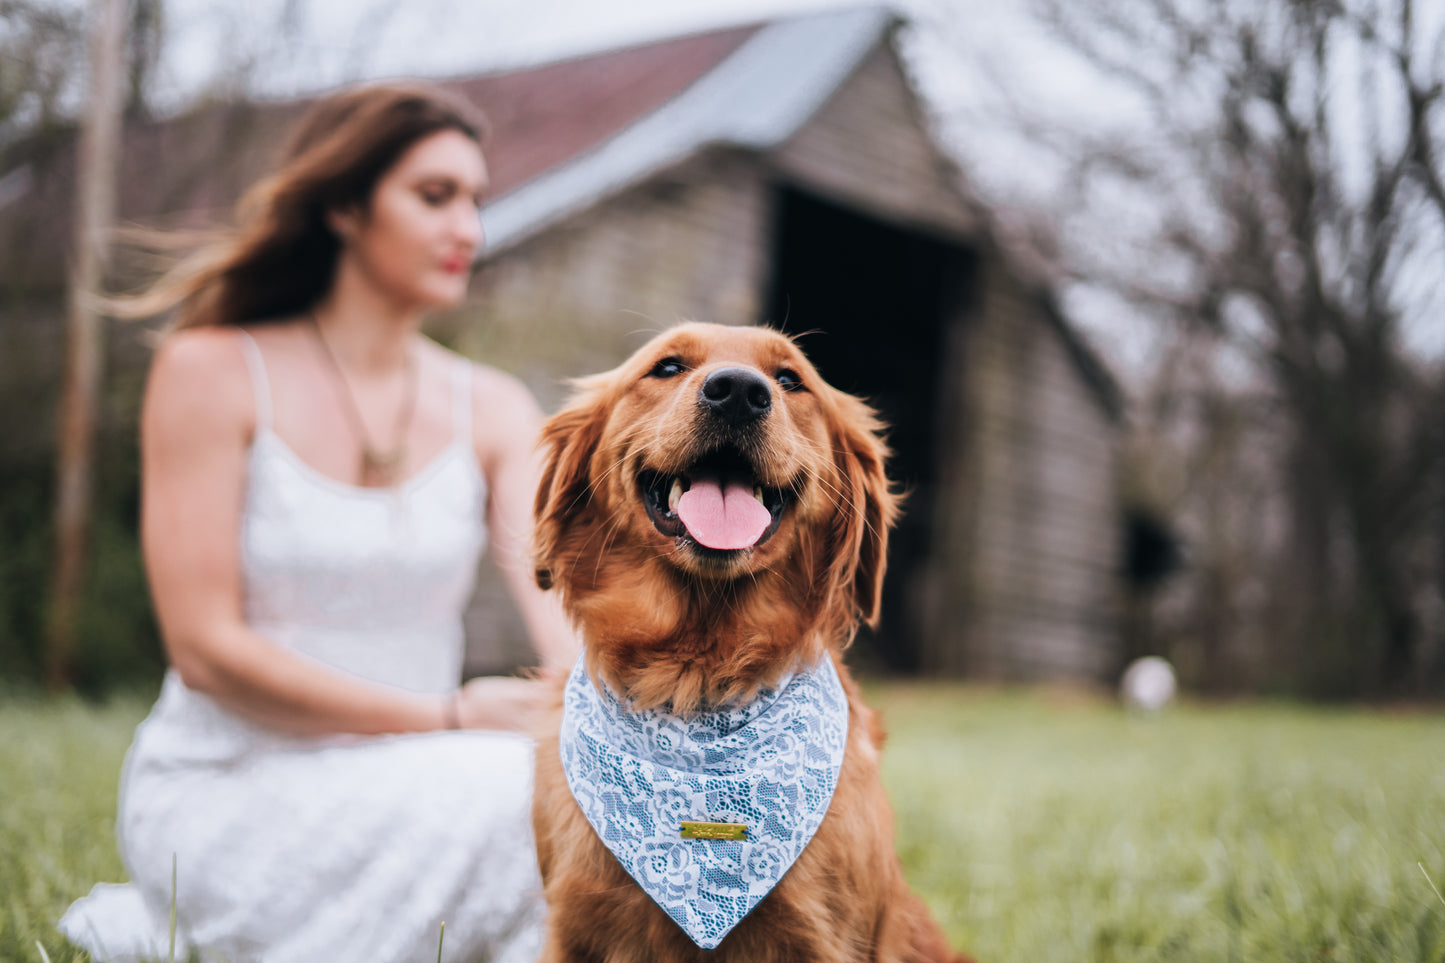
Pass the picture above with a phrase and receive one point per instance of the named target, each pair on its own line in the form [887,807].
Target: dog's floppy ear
[866,510]
[569,440]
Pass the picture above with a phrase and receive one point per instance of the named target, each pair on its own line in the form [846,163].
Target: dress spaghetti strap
[260,385]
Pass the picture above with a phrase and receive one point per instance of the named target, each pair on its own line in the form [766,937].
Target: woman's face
[416,241]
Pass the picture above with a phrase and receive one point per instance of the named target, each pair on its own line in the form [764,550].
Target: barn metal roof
[755,98]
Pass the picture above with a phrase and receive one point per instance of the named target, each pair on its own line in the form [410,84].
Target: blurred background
[1148,290]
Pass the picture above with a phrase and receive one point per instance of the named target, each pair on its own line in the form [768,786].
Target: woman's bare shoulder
[210,350]
[201,374]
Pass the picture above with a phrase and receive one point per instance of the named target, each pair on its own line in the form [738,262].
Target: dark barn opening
[871,303]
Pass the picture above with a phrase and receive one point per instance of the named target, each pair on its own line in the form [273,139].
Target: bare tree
[43,57]
[1293,170]
[144,40]
[41,45]
[95,212]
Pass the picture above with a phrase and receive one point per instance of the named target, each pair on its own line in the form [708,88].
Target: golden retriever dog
[716,520]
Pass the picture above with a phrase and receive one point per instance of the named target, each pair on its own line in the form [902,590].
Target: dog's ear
[866,511]
[569,440]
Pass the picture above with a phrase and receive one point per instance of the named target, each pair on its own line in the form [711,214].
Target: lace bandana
[752,783]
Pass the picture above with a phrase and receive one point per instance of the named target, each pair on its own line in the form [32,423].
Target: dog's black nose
[739,396]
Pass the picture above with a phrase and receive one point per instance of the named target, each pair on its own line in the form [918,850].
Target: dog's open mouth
[718,503]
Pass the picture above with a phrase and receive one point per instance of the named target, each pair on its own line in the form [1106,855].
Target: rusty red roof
[546,115]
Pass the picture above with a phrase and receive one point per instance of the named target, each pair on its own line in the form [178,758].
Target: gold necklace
[379,469]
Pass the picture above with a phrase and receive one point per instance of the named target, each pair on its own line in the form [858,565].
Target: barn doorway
[871,303]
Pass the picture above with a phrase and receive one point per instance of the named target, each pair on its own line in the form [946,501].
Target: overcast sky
[335,40]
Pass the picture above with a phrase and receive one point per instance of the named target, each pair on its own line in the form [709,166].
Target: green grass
[59,763]
[1043,829]
[1039,828]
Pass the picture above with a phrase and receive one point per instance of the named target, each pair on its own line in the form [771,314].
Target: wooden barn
[785,173]
[782,173]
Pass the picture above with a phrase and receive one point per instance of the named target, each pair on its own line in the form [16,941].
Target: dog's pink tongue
[722,517]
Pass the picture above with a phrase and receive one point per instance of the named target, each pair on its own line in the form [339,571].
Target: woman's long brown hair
[280,258]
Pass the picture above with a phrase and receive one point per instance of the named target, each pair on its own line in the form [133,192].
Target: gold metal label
[714,831]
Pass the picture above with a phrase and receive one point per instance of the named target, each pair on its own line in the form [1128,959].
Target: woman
[318,481]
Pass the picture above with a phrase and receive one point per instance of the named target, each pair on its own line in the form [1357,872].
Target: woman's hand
[498,702]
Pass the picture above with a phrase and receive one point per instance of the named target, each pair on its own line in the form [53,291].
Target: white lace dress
[340,848]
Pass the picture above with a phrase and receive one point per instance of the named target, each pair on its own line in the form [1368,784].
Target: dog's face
[714,488]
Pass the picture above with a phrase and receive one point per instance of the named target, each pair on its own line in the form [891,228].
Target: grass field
[1040,827]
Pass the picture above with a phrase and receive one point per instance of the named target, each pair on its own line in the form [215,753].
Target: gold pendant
[714,830]
[378,470]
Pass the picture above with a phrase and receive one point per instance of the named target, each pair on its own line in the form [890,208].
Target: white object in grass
[1148,684]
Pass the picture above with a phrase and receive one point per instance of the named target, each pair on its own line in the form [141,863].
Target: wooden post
[98,153]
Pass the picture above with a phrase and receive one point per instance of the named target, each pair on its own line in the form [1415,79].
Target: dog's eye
[789,380]
[668,368]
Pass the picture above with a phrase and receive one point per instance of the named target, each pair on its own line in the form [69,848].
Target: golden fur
[670,624]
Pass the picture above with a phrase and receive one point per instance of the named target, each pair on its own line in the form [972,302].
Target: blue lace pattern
[772,765]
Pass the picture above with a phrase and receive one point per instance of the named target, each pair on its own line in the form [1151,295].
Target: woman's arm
[507,448]
[196,422]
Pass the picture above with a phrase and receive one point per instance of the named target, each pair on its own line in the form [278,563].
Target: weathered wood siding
[1030,564]
[687,244]
[870,146]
